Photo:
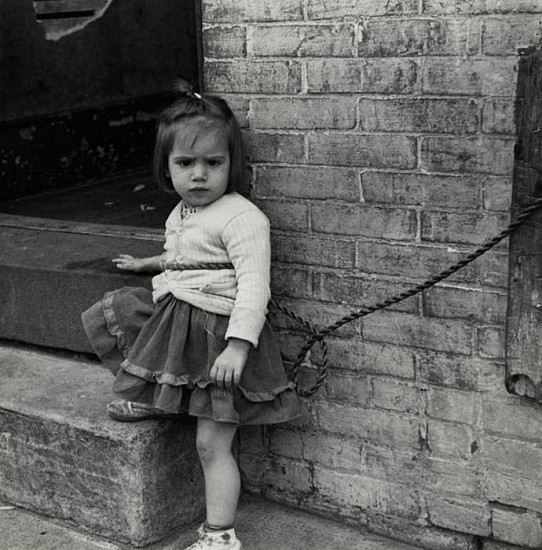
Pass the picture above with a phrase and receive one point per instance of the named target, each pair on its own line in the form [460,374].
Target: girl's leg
[222,480]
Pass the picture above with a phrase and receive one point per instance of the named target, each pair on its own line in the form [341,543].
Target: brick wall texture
[381,135]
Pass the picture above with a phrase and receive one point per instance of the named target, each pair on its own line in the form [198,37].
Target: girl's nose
[199,171]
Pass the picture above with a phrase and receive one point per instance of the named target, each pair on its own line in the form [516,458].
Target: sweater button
[179,258]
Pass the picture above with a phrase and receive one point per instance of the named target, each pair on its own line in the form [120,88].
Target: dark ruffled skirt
[161,354]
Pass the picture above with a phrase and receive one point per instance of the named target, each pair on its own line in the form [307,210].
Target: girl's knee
[213,442]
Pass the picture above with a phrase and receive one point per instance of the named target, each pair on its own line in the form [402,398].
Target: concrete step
[261,525]
[62,456]
[51,271]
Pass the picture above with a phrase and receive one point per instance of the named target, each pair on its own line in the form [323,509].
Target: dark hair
[198,111]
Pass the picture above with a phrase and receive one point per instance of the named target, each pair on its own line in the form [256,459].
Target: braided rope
[319,335]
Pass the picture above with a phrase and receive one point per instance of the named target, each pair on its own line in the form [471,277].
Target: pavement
[261,525]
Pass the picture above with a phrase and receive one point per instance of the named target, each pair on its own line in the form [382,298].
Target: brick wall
[381,135]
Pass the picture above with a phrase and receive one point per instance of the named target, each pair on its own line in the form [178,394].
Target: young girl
[200,343]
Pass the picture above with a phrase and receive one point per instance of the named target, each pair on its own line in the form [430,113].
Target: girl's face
[200,170]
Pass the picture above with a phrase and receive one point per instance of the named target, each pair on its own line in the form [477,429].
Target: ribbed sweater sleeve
[246,238]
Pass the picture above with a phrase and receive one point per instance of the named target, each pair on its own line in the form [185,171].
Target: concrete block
[62,456]
[49,277]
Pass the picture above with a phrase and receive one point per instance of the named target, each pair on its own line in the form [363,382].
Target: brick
[464,373]
[504,36]
[285,443]
[515,458]
[493,267]
[223,42]
[312,251]
[290,281]
[417,261]
[512,488]
[411,37]
[466,228]
[263,147]
[283,474]
[357,355]
[479,77]
[491,342]
[374,151]
[408,330]
[234,11]
[383,223]
[239,106]
[497,193]
[285,215]
[303,40]
[421,189]
[395,396]
[450,116]
[452,440]
[480,306]
[461,515]
[498,116]
[345,387]
[368,494]
[512,418]
[481,155]
[251,440]
[454,406]
[422,471]
[332,451]
[303,113]
[373,425]
[518,527]
[393,76]
[326,9]
[308,182]
[446,7]
[357,291]
[261,77]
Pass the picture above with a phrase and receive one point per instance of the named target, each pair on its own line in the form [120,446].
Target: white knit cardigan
[233,230]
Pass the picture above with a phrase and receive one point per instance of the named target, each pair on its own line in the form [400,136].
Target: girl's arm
[141,265]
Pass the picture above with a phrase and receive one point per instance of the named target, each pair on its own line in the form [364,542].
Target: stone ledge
[61,455]
[51,271]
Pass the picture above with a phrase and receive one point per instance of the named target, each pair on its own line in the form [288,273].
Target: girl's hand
[229,365]
[129,263]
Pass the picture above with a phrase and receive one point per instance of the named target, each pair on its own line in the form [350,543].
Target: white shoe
[216,540]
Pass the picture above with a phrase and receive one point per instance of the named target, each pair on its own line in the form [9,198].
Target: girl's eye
[185,163]
[214,162]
